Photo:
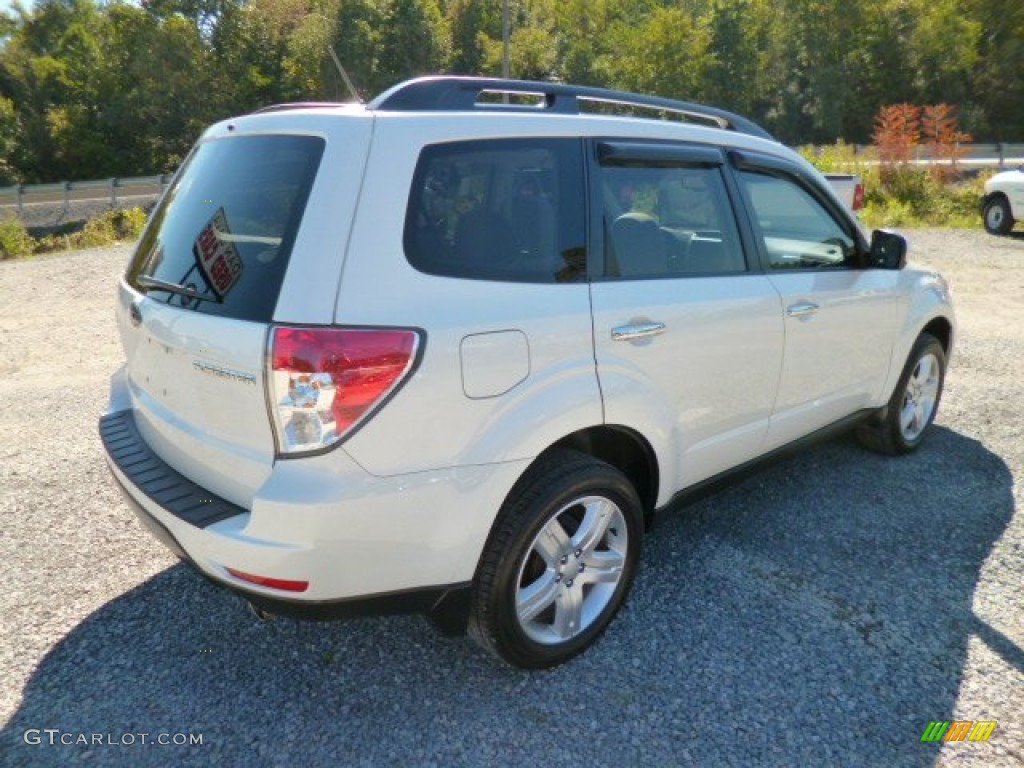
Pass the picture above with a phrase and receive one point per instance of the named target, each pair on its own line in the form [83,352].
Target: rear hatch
[198,299]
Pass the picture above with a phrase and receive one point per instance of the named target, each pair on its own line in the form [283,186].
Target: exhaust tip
[260,613]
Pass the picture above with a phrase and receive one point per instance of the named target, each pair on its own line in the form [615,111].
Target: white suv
[448,352]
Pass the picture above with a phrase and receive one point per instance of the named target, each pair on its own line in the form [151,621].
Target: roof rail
[450,93]
[298,105]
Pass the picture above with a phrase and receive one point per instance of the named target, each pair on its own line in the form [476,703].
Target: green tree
[736,36]
[47,70]
[878,66]
[473,24]
[995,111]
[807,75]
[667,54]
[95,88]
[414,41]
[357,43]
[9,140]
[153,114]
[943,50]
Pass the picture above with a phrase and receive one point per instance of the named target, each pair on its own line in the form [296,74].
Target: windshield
[220,241]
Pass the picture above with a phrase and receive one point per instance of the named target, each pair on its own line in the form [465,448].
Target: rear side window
[501,209]
[220,241]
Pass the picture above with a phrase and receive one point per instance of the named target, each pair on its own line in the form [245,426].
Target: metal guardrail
[67,192]
[1001,155]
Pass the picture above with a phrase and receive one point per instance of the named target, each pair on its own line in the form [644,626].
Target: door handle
[637,331]
[801,310]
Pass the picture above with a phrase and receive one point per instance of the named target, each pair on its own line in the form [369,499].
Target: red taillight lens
[858,197]
[324,381]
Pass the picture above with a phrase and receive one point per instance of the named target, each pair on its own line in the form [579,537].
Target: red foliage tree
[897,134]
[943,138]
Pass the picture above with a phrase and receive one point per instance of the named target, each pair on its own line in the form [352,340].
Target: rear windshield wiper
[160,285]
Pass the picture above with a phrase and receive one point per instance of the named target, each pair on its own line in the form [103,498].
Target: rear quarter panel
[433,421]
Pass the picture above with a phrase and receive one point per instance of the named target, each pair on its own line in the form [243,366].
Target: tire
[914,403]
[998,216]
[559,561]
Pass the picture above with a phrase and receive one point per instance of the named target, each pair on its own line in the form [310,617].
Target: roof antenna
[344,75]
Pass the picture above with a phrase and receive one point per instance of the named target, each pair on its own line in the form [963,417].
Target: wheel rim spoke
[596,519]
[924,370]
[603,567]
[911,419]
[537,597]
[568,613]
[919,419]
[552,542]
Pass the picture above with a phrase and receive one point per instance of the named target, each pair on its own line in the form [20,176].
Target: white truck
[1003,203]
[850,189]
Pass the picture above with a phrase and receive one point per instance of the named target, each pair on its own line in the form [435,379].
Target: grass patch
[108,228]
[15,241]
[905,195]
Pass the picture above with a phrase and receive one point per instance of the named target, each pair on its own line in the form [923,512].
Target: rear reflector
[324,382]
[288,585]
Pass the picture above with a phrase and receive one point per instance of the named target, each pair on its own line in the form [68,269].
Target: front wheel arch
[941,329]
[904,421]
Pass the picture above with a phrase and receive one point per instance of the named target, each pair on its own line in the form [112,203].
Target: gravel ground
[821,612]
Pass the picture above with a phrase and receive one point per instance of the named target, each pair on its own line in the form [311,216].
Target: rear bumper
[366,545]
[447,607]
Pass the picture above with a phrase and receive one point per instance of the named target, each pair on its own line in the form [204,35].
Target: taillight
[858,196]
[324,382]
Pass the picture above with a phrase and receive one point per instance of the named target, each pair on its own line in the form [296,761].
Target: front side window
[499,209]
[797,230]
[668,222]
[220,241]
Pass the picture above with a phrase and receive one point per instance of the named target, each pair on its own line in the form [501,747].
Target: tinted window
[503,209]
[225,228]
[668,221]
[797,230]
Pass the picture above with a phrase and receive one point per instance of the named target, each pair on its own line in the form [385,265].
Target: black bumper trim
[447,607]
[154,477]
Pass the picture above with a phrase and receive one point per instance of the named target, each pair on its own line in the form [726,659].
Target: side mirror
[888,250]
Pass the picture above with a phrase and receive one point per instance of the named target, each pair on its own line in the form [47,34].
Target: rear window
[499,209]
[220,241]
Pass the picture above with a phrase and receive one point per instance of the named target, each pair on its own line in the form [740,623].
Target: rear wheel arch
[626,450]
